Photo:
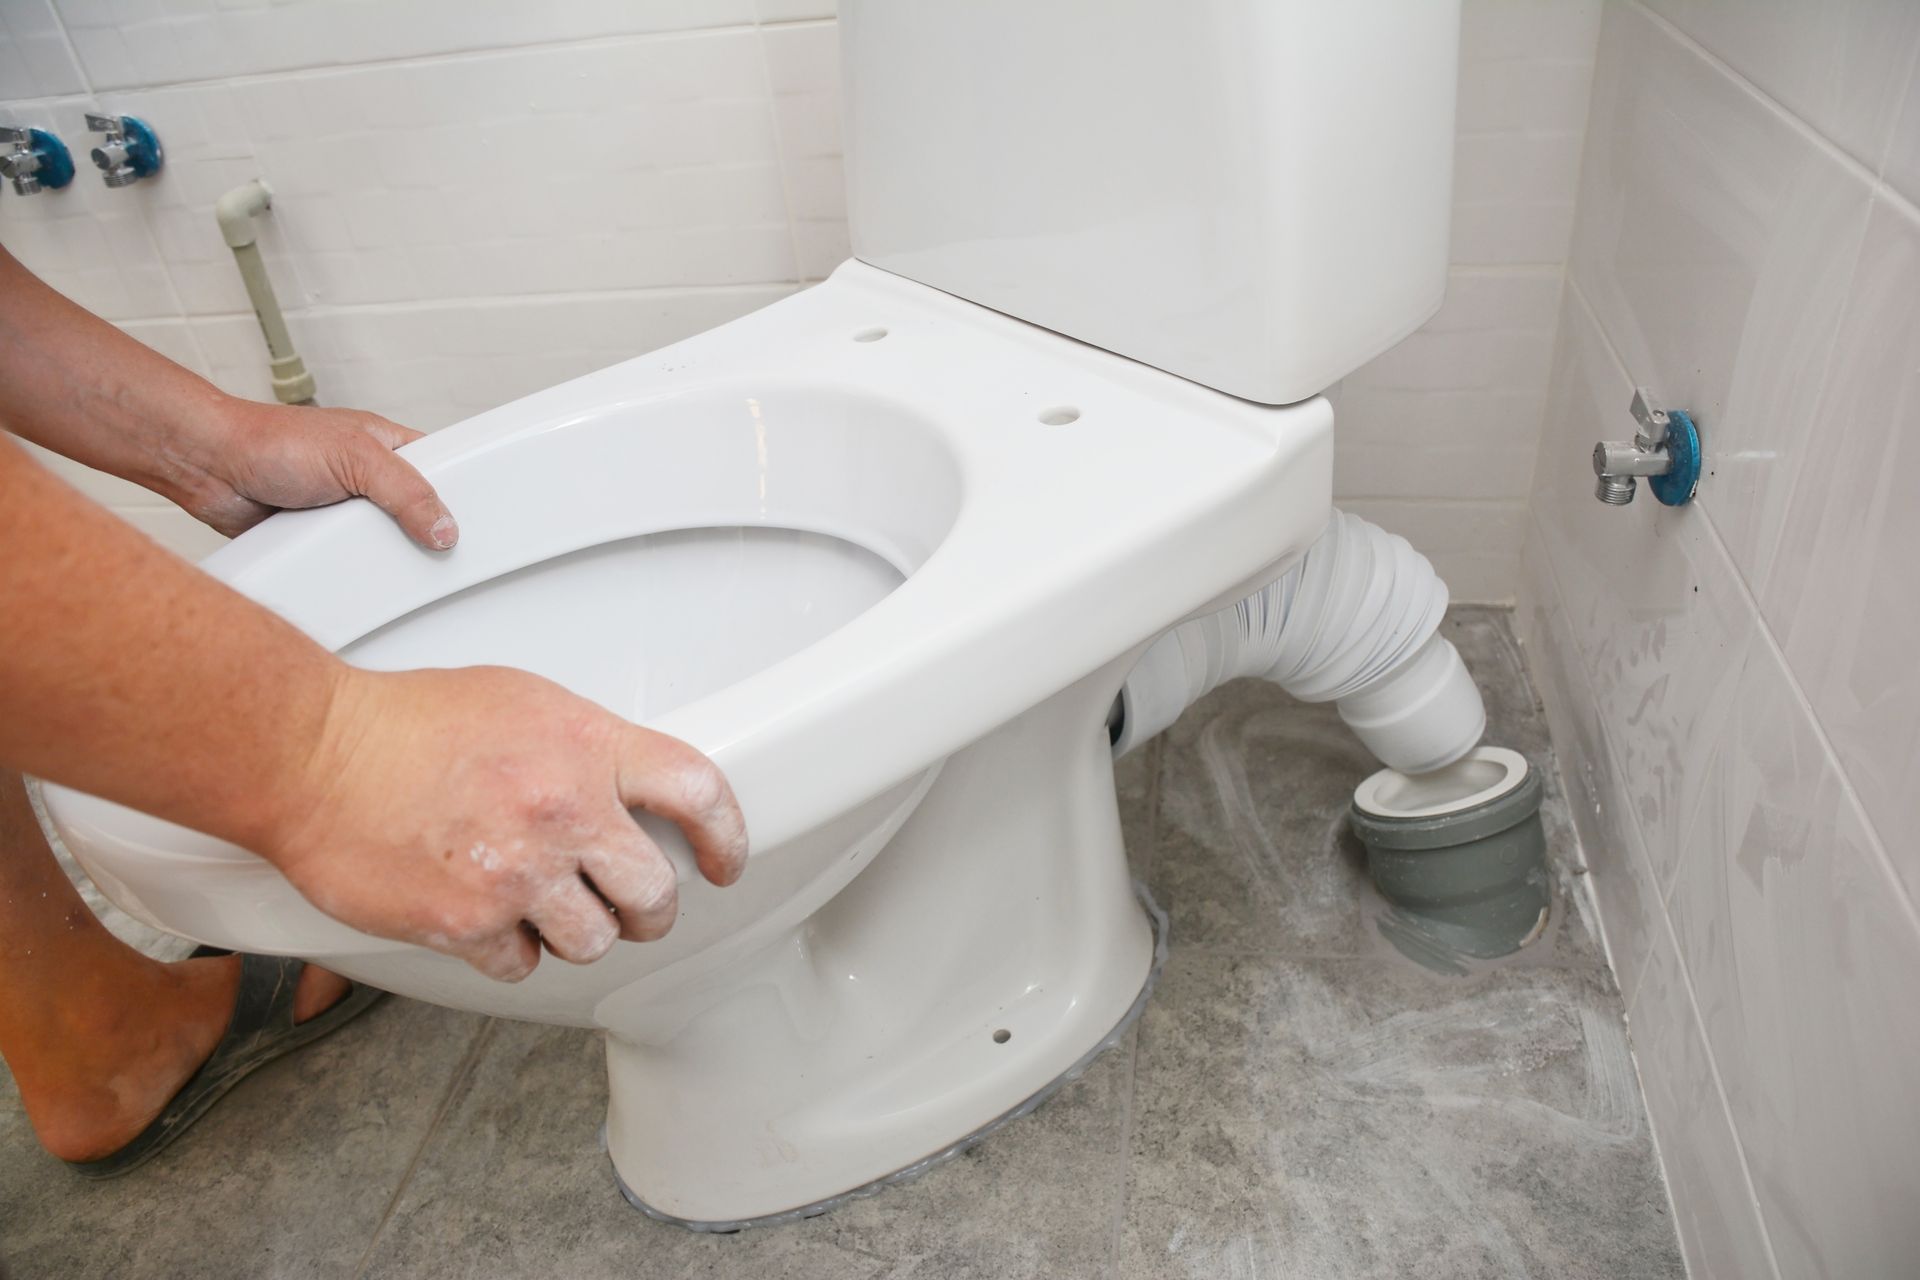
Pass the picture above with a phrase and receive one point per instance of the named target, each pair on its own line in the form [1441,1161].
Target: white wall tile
[1525,29]
[428,366]
[34,58]
[1452,411]
[1524,75]
[1658,609]
[208,154]
[803,69]
[1740,263]
[1513,197]
[1715,243]
[1631,911]
[633,164]
[1840,597]
[1805,957]
[794,10]
[1840,65]
[1902,163]
[1537,93]
[1721,1230]
[176,41]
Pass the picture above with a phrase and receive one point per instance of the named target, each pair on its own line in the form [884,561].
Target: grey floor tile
[1334,1118]
[287,1177]
[1252,848]
[514,1183]
[1485,640]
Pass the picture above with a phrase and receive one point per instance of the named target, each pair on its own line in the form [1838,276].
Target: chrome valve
[1620,463]
[33,159]
[129,151]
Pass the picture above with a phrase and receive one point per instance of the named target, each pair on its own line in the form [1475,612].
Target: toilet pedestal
[986,951]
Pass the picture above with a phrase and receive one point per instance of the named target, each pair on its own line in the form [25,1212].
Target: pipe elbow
[235,212]
[1355,623]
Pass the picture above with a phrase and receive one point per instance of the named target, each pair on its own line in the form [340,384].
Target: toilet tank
[1252,194]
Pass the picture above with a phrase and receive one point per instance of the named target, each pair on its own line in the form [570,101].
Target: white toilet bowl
[885,555]
[888,555]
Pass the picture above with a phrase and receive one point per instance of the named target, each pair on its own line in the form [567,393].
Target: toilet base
[980,956]
[938,1158]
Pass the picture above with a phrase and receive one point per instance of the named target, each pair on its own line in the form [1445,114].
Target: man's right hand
[484,811]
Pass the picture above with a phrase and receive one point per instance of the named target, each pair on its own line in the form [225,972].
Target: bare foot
[128,1051]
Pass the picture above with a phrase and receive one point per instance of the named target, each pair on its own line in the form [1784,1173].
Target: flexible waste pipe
[1355,622]
[234,211]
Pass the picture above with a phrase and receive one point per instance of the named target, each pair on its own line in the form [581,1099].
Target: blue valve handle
[1682,481]
[56,162]
[144,155]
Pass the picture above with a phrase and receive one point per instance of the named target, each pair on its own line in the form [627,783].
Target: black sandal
[261,1029]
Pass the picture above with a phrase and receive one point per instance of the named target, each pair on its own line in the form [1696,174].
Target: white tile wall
[35,59]
[476,197]
[1730,685]
[1437,437]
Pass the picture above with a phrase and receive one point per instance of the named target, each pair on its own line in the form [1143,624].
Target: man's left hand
[272,457]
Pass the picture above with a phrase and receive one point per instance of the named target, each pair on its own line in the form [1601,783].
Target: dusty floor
[1299,1099]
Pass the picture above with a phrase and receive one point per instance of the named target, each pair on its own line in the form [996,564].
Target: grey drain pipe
[235,210]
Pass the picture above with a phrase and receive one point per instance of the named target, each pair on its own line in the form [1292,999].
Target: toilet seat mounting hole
[1060,415]
[870,335]
[1002,1036]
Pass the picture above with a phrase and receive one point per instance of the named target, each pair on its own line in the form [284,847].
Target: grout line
[1860,170]
[73,50]
[401,61]
[1906,95]
[1720,1090]
[141,209]
[1636,865]
[460,1075]
[1521,501]
[330,310]
[1498,269]
[779,150]
[1553,368]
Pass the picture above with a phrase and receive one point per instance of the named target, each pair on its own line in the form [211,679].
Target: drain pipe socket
[1354,622]
[235,211]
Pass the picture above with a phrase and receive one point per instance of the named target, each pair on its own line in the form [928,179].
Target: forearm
[73,383]
[127,673]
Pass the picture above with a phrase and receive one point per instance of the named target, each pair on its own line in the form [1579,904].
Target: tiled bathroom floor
[1299,1099]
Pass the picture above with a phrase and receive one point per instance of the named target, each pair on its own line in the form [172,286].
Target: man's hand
[74,384]
[484,811]
[264,458]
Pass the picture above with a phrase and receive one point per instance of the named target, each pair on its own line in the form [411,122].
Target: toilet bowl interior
[644,625]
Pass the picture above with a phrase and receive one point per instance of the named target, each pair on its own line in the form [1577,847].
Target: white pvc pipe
[235,212]
[1355,622]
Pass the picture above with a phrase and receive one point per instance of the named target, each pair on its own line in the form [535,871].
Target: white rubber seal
[1483,774]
